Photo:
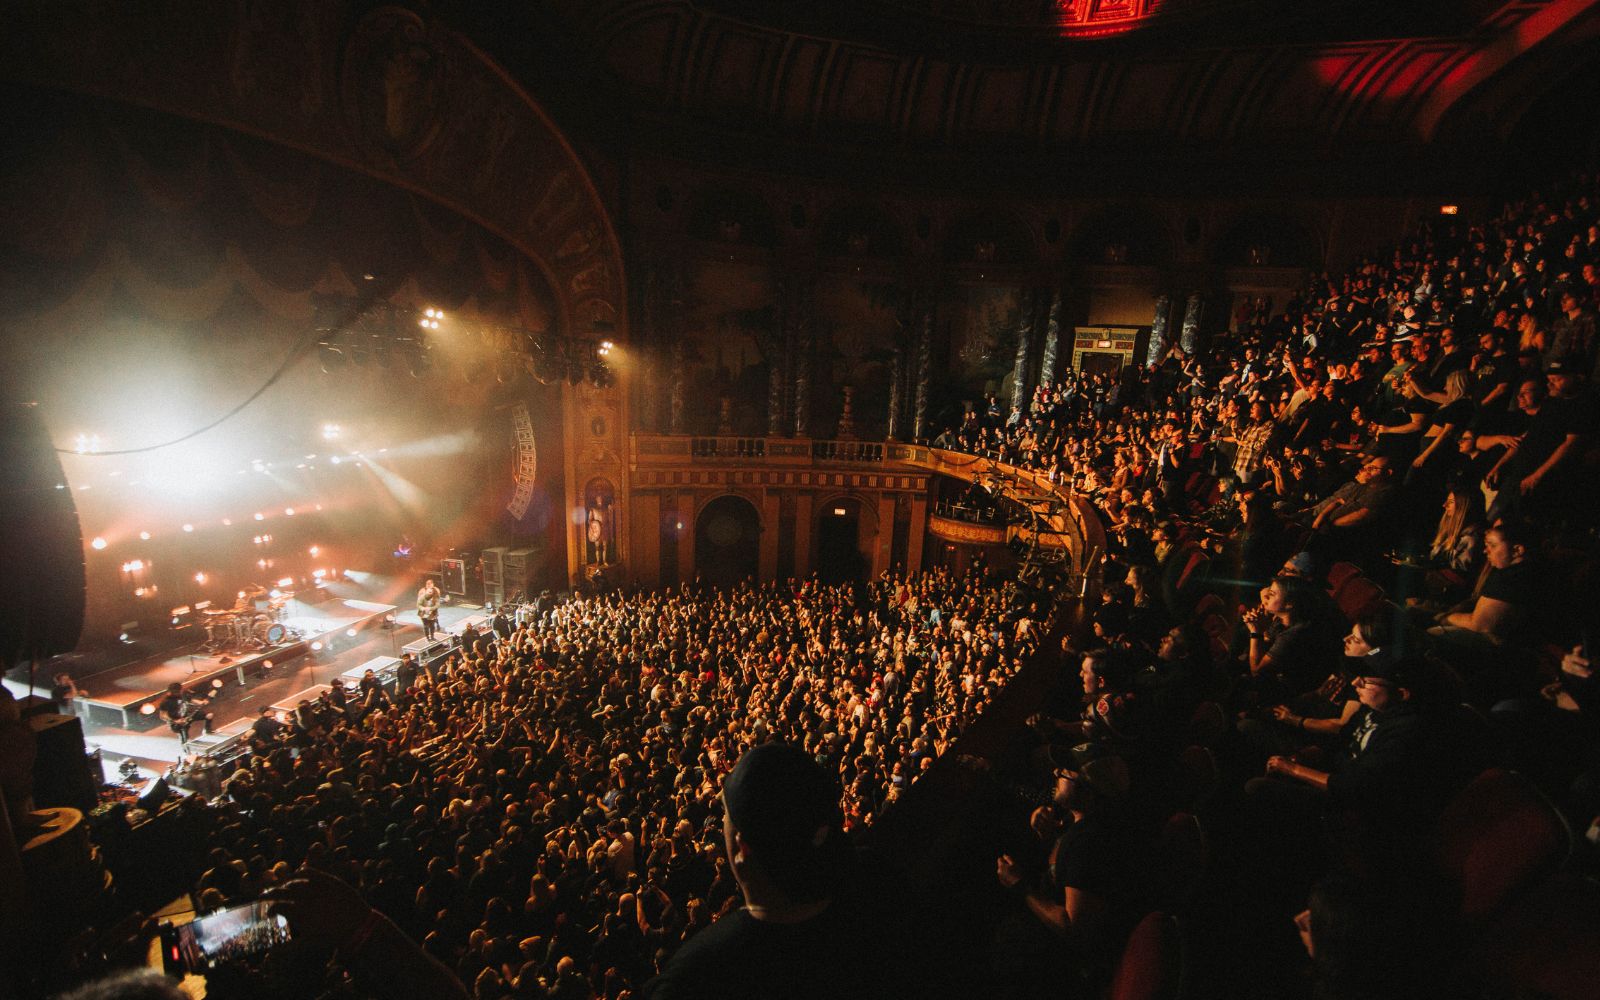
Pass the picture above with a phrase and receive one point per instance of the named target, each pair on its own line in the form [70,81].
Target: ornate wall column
[775,377]
[924,371]
[767,567]
[1191,322]
[801,312]
[1052,336]
[1158,329]
[919,528]
[882,550]
[686,537]
[802,535]
[897,378]
[644,564]
[1019,373]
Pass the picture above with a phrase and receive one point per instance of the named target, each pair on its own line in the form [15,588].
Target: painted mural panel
[981,326]
[858,320]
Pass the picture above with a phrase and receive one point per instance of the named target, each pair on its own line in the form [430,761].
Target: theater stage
[126,688]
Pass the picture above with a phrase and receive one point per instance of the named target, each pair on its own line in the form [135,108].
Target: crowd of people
[542,811]
[1350,566]
[1357,538]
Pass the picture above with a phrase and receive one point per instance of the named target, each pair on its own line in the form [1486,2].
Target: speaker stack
[527,461]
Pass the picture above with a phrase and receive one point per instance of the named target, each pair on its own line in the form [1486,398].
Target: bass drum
[270,632]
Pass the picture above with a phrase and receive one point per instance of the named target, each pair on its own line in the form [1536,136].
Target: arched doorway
[839,558]
[727,542]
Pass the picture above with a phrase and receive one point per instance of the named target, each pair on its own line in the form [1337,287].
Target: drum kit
[244,628]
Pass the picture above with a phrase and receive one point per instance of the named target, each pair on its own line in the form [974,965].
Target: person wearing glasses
[1354,518]
[1376,770]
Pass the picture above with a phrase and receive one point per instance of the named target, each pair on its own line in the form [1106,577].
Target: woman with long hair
[1458,544]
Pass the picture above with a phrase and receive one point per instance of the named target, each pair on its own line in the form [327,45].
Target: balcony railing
[741,449]
[795,452]
[847,451]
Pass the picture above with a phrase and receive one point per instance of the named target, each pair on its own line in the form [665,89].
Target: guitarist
[180,710]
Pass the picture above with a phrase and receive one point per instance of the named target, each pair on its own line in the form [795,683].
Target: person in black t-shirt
[267,727]
[1078,899]
[808,928]
[1470,636]
[405,674]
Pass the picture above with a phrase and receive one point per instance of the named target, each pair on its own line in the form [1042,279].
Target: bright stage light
[216,682]
[100,543]
[261,563]
[318,574]
[266,664]
[330,431]
[289,511]
[188,527]
[316,646]
[286,581]
[148,708]
[350,632]
[261,517]
[336,460]
[313,550]
[227,520]
[199,578]
[133,567]
[143,534]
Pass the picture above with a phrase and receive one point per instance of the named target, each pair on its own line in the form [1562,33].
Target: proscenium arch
[477,143]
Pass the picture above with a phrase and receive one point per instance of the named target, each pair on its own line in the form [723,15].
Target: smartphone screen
[237,932]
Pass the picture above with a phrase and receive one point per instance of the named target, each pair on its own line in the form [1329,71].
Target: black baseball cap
[786,808]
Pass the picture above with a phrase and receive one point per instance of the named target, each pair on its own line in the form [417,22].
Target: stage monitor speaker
[494,583]
[42,577]
[152,800]
[61,774]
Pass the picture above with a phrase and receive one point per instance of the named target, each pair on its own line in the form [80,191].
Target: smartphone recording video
[223,935]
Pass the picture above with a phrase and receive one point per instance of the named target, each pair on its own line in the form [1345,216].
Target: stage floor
[125,688]
[450,616]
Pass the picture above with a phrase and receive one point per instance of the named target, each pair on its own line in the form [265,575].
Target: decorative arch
[727,541]
[456,128]
[838,566]
[701,502]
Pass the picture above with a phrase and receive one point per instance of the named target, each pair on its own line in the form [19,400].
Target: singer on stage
[428,608]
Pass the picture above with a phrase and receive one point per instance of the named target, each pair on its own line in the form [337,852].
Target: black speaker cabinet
[61,774]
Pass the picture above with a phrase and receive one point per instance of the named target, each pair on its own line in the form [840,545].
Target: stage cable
[364,303]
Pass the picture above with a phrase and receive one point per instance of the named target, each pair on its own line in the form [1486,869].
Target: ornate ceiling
[912,88]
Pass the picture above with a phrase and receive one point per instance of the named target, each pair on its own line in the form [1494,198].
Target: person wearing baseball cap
[807,928]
